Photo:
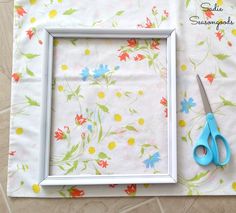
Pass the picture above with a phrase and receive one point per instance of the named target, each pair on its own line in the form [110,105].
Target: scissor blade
[206,104]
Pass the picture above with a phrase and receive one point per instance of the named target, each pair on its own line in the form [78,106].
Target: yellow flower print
[118,94]
[19,131]
[219,2]
[32,2]
[91,150]
[140,92]
[87,52]
[131,141]
[52,14]
[112,145]
[60,88]
[183,67]
[64,67]
[36,188]
[140,121]
[101,95]
[32,20]
[59,1]
[117,117]
[234,186]
[233,32]
[182,123]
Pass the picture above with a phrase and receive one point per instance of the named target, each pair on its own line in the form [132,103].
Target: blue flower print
[90,127]
[85,73]
[187,105]
[152,160]
[100,71]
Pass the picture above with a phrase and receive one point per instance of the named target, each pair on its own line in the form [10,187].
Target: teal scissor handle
[212,151]
[202,142]
[217,136]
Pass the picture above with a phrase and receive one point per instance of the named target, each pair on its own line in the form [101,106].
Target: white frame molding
[50,33]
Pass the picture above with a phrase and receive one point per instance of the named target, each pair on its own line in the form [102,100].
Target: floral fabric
[206,39]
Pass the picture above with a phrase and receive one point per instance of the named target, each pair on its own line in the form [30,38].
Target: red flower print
[139,57]
[30,33]
[59,135]
[208,13]
[20,10]
[79,120]
[163,101]
[219,35]
[16,76]
[12,153]
[103,163]
[148,24]
[155,44]
[210,77]
[75,192]
[40,42]
[132,42]
[229,43]
[166,14]
[131,189]
[123,56]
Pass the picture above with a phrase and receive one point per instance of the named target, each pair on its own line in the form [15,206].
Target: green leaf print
[190,192]
[221,56]
[183,138]
[103,108]
[31,102]
[155,56]
[200,43]
[132,111]
[97,172]
[198,176]
[73,41]
[187,3]
[30,55]
[75,165]
[62,194]
[69,12]
[103,155]
[120,12]
[227,102]
[222,73]
[131,128]
[69,154]
[61,167]
[29,72]
[77,91]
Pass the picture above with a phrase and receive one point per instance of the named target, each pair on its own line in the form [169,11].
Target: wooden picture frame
[51,33]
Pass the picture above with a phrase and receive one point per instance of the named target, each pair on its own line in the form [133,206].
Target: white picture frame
[50,33]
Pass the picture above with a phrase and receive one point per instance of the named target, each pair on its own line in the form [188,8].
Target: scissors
[210,131]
